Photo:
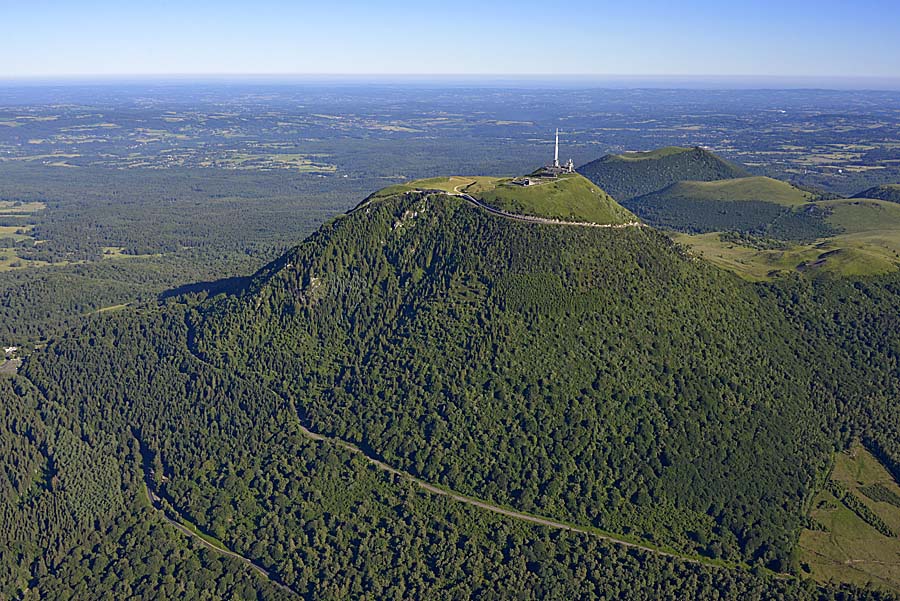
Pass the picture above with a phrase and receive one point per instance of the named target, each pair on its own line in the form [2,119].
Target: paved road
[511,513]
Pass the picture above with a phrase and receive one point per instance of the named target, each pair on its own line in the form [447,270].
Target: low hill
[889,192]
[744,189]
[634,174]
[761,205]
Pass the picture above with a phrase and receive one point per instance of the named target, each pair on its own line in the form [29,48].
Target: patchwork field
[20,208]
[13,231]
[298,162]
[14,212]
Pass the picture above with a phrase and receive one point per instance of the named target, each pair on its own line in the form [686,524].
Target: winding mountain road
[431,488]
[472,501]
[511,513]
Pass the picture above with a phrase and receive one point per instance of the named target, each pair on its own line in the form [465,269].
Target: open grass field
[842,547]
[109,309]
[9,261]
[758,188]
[869,244]
[860,215]
[20,208]
[10,231]
[749,263]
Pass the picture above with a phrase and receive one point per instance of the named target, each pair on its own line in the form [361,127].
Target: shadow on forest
[226,285]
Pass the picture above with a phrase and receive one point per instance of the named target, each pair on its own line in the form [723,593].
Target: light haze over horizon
[792,39]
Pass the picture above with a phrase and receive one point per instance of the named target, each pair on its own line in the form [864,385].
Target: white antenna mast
[556,152]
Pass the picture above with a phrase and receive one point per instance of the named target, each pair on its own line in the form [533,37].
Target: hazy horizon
[499,80]
[696,38]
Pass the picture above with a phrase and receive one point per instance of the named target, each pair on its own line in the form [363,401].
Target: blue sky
[45,38]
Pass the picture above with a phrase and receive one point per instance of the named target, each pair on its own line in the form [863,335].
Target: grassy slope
[749,263]
[570,198]
[456,183]
[742,189]
[869,244]
[850,550]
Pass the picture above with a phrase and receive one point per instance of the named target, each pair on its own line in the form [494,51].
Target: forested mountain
[587,374]
[634,174]
[595,376]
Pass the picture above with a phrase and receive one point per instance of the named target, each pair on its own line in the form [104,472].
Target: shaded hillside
[758,205]
[889,192]
[593,375]
[626,176]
